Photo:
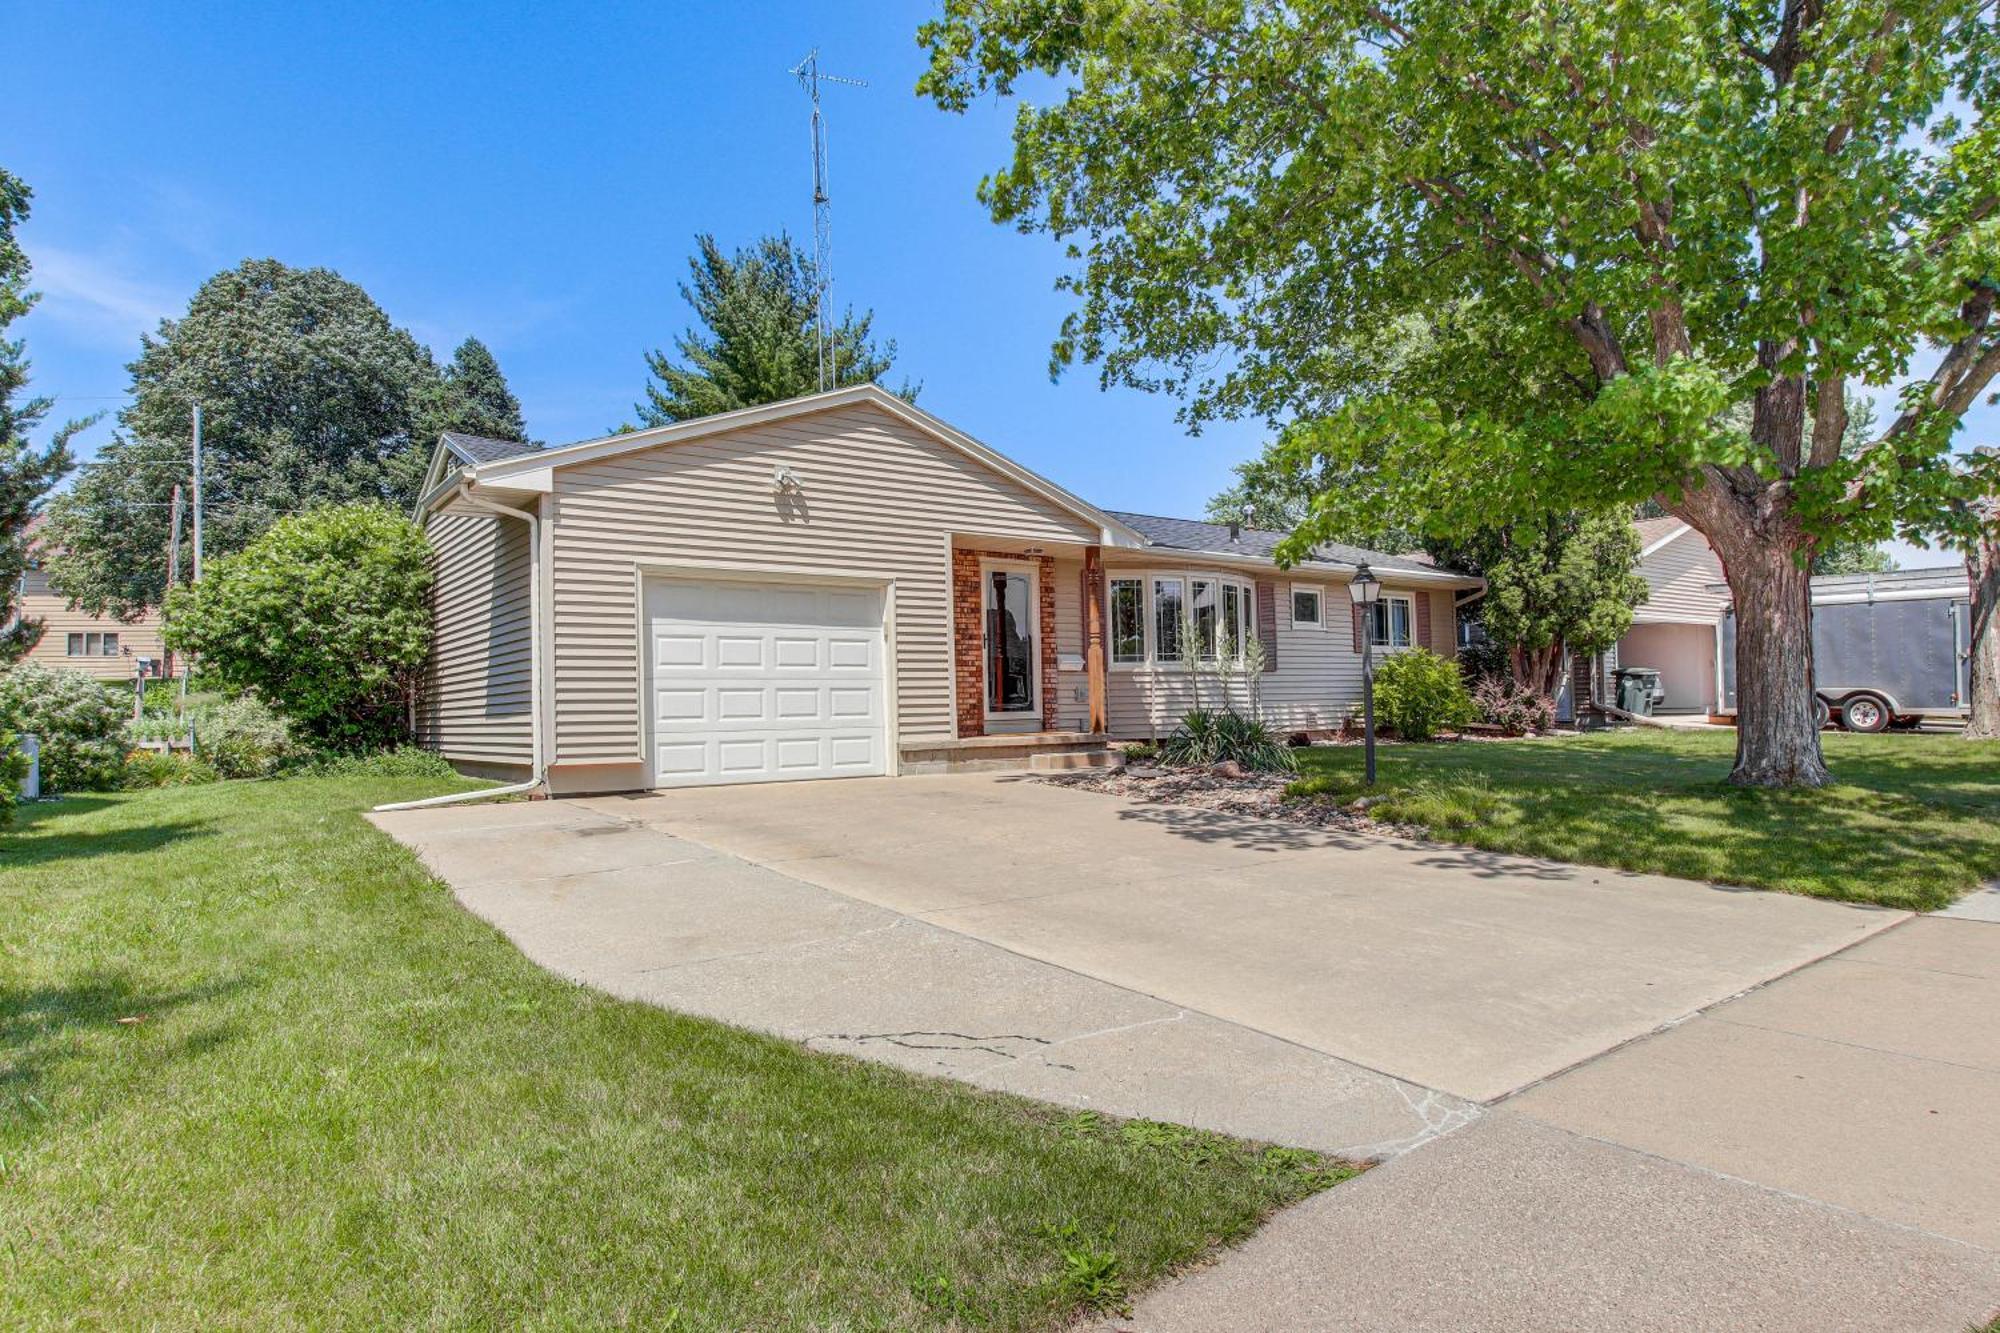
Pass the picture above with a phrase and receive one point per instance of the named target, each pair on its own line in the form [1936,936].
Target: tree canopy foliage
[1640,214]
[27,473]
[325,616]
[310,396]
[755,341]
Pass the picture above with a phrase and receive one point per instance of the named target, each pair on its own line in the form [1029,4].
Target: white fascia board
[505,471]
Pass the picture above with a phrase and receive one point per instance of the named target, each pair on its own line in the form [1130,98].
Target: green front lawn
[1914,821]
[258,1069]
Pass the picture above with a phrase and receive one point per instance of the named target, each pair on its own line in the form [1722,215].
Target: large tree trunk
[1982,568]
[1777,734]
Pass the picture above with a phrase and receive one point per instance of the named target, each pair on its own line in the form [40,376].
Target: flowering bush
[81,725]
[1513,707]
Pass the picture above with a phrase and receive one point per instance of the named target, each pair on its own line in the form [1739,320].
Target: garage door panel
[756,683]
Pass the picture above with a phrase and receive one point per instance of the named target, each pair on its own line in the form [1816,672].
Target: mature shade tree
[1271,492]
[755,343]
[1674,207]
[1978,537]
[27,473]
[309,396]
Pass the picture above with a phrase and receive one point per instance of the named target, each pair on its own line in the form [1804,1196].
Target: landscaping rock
[1229,769]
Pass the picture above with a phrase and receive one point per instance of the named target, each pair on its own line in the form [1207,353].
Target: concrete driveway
[1461,970]
[1633,1141]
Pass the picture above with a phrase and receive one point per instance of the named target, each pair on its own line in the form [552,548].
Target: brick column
[968,640]
[1045,581]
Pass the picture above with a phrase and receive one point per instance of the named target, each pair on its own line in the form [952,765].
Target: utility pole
[809,77]
[174,566]
[197,493]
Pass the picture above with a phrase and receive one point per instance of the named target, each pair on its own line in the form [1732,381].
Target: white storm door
[764,682]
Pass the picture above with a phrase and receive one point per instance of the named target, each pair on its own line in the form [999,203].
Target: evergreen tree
[27,474]
[755,342]
[472,397]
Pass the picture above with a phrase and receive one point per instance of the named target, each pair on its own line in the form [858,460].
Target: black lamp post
[1366,590]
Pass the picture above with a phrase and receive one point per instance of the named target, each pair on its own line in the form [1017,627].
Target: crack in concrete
[948,1041]
[1438,1119]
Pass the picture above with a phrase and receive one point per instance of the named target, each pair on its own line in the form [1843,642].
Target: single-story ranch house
[843,584]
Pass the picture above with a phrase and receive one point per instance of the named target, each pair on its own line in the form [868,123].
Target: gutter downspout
[536,694]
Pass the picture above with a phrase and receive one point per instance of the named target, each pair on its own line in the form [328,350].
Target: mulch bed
[1259,795]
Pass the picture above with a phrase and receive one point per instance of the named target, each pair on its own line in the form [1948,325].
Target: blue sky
[535,175]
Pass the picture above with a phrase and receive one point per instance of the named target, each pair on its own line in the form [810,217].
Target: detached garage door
[764,682]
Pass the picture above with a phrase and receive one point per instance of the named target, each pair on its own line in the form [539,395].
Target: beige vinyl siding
[1318,676]
[478,698]
[877,499]
[1679,575]
[136,639]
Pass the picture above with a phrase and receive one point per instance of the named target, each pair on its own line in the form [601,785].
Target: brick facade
[968,620]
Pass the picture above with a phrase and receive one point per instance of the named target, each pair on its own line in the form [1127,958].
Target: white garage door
[763,682]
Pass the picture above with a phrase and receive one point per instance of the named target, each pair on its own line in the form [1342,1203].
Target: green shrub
[1441,805]
[243,738]
[13,768]
[1210,737]
[324,616]
[1485,661]
[1419,693]
[80,723]
[150,768]
[1142,752]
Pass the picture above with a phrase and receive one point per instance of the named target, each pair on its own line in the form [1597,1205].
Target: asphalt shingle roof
[1187,534]
[476,449]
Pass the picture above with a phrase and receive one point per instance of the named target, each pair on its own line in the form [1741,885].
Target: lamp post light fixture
[1366,590]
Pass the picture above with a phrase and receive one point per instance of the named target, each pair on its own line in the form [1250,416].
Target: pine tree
[755,341]
[27,474]
[474,397]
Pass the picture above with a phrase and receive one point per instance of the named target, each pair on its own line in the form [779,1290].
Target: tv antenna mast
[807,72]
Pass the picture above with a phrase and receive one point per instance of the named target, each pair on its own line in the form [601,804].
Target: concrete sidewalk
[1823,1152]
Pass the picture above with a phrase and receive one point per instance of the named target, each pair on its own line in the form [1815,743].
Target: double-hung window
[1202,609]
[1390,627]
[91,645]
[1128,620]
[1169,606]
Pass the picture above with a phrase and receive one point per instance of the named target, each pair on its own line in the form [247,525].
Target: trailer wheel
[1821,713]
[1864,713]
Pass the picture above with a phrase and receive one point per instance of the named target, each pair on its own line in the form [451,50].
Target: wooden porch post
[1093,635]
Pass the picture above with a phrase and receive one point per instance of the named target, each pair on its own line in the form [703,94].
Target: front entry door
[1011,660]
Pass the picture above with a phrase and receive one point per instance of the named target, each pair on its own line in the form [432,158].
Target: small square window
[1305,606]
[75,646]
[110,646]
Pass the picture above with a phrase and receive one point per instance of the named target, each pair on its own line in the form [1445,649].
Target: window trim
[1149,581]
[1409,602]
[1111,586]
[1318,594]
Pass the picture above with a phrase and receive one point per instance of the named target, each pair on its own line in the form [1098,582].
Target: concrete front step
[1068,759]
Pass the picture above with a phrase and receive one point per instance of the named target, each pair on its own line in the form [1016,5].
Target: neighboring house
[843,584]
[1674,631]
[99,646]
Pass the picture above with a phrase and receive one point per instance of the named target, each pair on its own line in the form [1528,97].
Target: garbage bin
[1639,689]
